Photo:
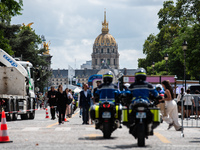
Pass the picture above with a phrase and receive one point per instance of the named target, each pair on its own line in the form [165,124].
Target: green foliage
[9,9]
[178,22]
[22,41]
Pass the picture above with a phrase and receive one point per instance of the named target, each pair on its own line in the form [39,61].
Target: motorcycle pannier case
[156,116]
[94,112]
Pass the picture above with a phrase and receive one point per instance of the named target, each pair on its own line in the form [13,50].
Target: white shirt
[188,99]
[85,92]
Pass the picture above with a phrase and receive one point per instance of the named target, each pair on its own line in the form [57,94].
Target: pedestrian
[85,97]
[171,107]
[95,89]
[188,103]
[61,98]
[46,100]
[40,100]
[70,99]
[180,100]
[197,104]
[52,101]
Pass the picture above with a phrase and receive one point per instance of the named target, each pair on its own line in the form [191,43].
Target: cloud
[72,27]
[129,58]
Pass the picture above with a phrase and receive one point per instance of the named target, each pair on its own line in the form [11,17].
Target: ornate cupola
[105,49]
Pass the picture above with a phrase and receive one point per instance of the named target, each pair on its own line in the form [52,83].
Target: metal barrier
[190,111]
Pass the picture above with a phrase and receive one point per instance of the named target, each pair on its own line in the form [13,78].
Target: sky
[72,26]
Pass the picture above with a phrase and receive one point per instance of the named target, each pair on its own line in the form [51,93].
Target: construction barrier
[190,111]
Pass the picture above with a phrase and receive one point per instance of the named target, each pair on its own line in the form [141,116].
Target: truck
[17,96]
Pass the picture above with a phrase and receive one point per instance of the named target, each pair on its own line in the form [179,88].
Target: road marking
[30,129]
[62,129]
[92,136]
[161,137]
[49,126]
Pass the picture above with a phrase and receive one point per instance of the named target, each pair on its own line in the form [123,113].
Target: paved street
[42,133]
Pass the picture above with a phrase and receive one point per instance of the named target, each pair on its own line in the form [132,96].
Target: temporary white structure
[77,90]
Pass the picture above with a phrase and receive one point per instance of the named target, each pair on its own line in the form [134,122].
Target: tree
[9,9]
[178,22]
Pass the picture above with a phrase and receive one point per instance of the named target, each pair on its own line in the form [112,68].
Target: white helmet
[159,86]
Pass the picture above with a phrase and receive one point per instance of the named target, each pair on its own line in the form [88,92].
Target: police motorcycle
[140,116]
[107,113]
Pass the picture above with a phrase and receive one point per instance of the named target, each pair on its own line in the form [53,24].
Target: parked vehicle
[17,95]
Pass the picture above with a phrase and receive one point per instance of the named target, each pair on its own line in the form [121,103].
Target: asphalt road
[42,133]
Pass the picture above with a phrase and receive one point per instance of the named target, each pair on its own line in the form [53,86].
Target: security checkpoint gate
[190,111]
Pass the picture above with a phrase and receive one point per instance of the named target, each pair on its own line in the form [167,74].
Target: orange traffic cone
[47,114]
[4,138]
[66,120]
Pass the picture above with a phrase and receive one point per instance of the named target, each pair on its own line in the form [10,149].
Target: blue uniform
[141,90]
[107,92]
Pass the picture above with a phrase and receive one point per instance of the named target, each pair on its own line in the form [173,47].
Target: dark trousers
[52,110]
[61,110]
[85,114]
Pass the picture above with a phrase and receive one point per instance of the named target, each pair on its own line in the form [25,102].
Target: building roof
[86,73]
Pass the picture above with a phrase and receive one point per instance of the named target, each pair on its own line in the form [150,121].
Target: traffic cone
[47,114]
[4,138]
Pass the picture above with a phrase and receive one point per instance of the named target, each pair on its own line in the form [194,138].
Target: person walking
[180,100]
[197,104]
[61,98]
[52,101]
[188,103]
[171,107]
[45,100]
[85,97]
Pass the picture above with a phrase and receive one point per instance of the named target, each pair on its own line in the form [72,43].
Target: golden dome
[105,39]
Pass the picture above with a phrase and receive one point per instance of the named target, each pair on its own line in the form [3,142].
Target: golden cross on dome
[105,29]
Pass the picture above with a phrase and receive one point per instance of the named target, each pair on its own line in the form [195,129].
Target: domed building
[105,57]
[105,49]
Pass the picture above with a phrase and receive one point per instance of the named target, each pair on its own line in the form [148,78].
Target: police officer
[52,101]
[140,88]
[107,91]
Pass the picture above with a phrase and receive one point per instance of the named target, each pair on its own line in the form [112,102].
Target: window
[95,61]
[108,51]
[113,50]
[52,79]
[60,79]
[102,50]
[96,50]
[108,61]
[114,61]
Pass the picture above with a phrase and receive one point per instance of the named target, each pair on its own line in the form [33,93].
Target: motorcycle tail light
[106,105]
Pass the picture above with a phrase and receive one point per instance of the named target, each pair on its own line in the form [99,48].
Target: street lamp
[184,46]
[166,59]
[153,65]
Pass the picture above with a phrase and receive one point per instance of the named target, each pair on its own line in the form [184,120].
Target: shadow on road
[197,140]
[126,146]
[96,138]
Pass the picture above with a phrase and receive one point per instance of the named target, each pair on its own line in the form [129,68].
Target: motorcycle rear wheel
[106,130]
[141,136]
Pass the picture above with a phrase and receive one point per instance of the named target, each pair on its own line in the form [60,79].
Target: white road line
[62,129]
[31,129]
